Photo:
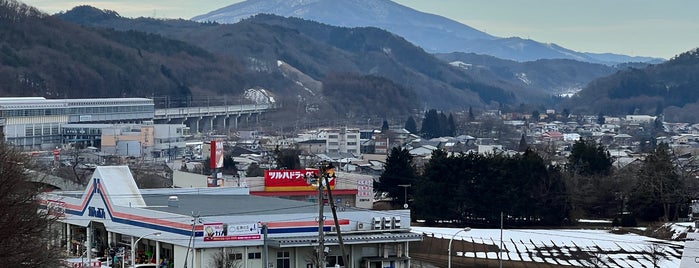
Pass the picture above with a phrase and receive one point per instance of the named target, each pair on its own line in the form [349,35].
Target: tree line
[668,88]
[473,189]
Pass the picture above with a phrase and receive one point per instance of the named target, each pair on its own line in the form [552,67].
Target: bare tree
[73,172]
[311,257]
[223,260]
[24,226]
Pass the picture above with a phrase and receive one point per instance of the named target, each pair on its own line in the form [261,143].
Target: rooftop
[214,205]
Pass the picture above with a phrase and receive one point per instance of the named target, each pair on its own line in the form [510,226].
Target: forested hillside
[318,50]
[550,77]
[311,68]
[670,88]
[44,56]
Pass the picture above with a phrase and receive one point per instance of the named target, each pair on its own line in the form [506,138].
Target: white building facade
[34,123]
[228,222]
[343,140]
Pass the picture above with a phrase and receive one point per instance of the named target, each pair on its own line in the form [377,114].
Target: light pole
[133,247]
[451,240]
[405,194]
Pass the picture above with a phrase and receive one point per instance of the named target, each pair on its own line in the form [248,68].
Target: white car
[147,265]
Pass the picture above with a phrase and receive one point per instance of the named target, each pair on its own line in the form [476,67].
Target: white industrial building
[34,123]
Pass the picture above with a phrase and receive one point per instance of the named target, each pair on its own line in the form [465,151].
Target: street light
[133,247]
[451,240]
[405,194]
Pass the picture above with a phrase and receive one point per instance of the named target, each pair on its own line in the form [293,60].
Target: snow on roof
[119,185]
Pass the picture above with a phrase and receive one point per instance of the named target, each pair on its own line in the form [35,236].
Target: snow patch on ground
[566,246]
[523,77]
[461,64]
[259,96]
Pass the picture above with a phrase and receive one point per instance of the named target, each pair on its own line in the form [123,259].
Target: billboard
[232,231]
[291,180]
[216,155]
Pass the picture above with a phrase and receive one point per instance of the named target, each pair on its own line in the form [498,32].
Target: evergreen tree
[438,194]
[442,126]
[522,144]
[411,125]
[471,116]
[399,170]
[541,189]
[451,126]
[589,158]
[384,127]
[437,124]
[600,119]
[430,124]
[473,189]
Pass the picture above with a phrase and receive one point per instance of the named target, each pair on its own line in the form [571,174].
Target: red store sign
[291,180]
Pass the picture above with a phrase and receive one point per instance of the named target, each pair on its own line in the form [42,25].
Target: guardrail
[211,110]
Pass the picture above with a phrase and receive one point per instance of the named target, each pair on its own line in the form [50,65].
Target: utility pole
[321,234]
[333,208]
[191,240]
[501,242]
[405,194]
[265,251]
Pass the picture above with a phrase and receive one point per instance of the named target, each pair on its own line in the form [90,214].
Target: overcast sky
[632,27]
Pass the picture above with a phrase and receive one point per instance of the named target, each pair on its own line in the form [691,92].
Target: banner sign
[216,155]
[230,232]
[291,180]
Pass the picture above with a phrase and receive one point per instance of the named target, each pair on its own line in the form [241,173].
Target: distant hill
[318,50]
[315,71]
[433,33]
[670,88]
[45,56]
[552,77]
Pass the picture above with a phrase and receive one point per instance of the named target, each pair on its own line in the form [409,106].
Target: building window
[283,259]
[235,256]
[331,261]
[332,136]
[254,256]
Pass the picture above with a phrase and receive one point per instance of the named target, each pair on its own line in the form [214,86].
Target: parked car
[147,265]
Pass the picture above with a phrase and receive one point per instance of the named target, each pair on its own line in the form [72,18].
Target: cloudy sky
[632,27]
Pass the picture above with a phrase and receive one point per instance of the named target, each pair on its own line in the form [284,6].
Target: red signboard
[291,180]
[216,155]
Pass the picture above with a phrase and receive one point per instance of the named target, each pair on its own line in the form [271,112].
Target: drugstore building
[228,223]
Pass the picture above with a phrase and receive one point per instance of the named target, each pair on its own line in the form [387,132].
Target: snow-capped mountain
[435,34]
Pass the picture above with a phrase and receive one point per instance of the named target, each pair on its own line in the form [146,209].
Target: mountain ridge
[318,50]
[669,89]
[435,34]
